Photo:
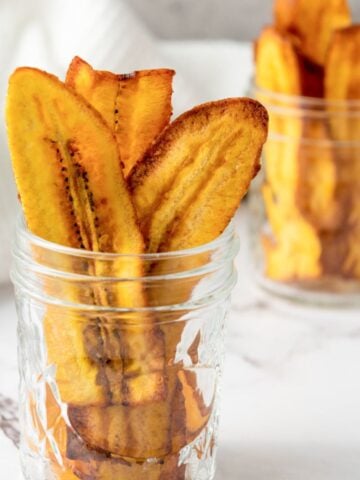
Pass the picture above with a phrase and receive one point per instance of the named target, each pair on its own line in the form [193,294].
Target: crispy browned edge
[78,60]
[154,155]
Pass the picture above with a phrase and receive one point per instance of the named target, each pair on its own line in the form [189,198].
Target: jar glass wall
[120,366]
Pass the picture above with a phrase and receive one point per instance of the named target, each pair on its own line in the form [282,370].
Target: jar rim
[29,274]
[207,301]
[35,240]
[305,101]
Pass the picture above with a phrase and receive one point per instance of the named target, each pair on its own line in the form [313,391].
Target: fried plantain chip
[138,432]
[293,249]
[282,263]
[310,24]
[225,171]
[281,68]
[300,164]
[136,106]
[147,431]
[277,63]
[278,70]
[342,83]
[97,466]
[115,468]
[72,459]
[319,176]
[66,166]
[189,184]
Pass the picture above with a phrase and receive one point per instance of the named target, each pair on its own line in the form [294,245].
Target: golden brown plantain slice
[137,106]
[157,429]
[292,250]
[141,431]
[72,459]
[66,167]
[189,184]
[114,469]
[342,83]
[96,466]
[312,78]
[277,63]
[283,263]
[278,70]
[152,430]
[302,174]
[152,427]
[342,66]
[67,170]
[281,68]
[310,24]
[319,175]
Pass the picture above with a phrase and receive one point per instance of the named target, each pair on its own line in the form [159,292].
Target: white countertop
[291,393]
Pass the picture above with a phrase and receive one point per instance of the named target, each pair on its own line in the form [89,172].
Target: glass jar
[120,371]
[306,209]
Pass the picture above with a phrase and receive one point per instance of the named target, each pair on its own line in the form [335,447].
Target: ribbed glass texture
[120,360]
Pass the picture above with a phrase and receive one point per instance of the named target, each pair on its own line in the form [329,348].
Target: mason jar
[120,372]
[306,209]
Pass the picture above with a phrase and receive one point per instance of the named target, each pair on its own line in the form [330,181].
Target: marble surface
[291,393]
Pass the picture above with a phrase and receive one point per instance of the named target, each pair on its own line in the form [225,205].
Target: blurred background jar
[311,192]
[308,229]
[309,225]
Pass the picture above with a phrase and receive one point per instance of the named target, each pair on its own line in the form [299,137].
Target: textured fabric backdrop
[106,33]
[237,19]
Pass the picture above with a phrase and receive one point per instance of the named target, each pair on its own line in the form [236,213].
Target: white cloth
[47,34]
